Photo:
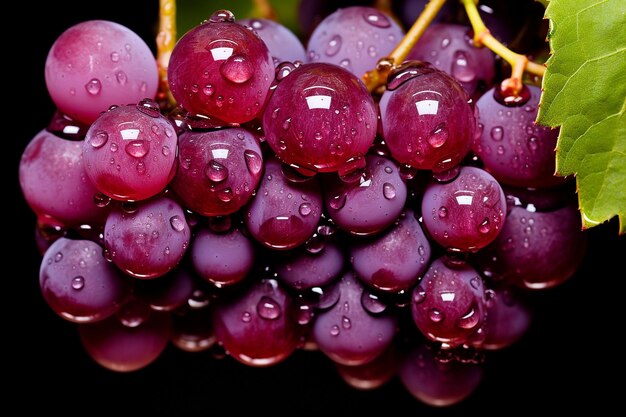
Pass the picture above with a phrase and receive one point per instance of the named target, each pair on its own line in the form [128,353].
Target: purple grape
[222,258]
[311,13]
[121,348]
[218,171]
[78,283]
[315,265]
[369,204]
[514,149]
[347,332]
[221,70]
[425,118]
[95,64]
[192,330]
[373,374]
[65,127]
[394,260]
[450,48]
[55,184]
[448,305]
[168,292]
[284,214]
[130,152]
[283,44]
[536,249]
[467,213]
[409,10]
[147,239]
[438,383]
[319,118]
[354,38]
[508,319]
[257,327]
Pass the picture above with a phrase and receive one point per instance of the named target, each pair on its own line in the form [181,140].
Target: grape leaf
[584,92]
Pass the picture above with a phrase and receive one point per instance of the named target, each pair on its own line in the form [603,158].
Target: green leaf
[585,94]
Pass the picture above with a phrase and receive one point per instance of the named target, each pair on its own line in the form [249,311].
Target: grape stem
[264,9]
[377,78]
[519,63]
[165,41]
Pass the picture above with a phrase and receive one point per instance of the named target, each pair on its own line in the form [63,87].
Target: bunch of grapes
[266,201]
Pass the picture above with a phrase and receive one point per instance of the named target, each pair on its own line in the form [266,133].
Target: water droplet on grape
[435,315]
[338,201]
[334,45]
[222,16]
[497,133]
[246,317]
[115,57]
[438,136]
[419,295]
[533,144]
[389,191]
[141,167]
[445,42]
[475,283]
[225,195]
[287,124]
[500,150]
[376,19]
[58,257]
[372,303]
[78,283]
[93,87]
[268,308]
[177,223]
[328,296]
[149,107]
[442,212]
[215,171]
[121,77]
[137,148]
[101,200]
[346,323]
[484,227]
[469,320]
[334,330]
[237,69]
[305,209]
[461,67]
[99,139]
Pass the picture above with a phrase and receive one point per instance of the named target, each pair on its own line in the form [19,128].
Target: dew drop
[113,148]
[121,77]
[334,45]
[268,308]
[305,209]
[442,212]
[328,296]
[314,245]
[438,136]
[208,90]
[149,107]
[338,201]
[222,16]
[371,51]
[318,136]
[461,67]
[346,323]
[99,139]
[101,200]
[93,87]
[389,191]
[445,42]
[287,124]
[376,19]
[177,223]
[58,257]
[533,144]
[137,148]
[215,171]
[254,163]
[469,320]
[497,133]
[78,283]
[225,195]
[334,330]
[165,151]
[141,167]
[237,69]
[475,283]
[372,303]
[435,315]
[484,227]
[419,295]
[246,317]
[115,57]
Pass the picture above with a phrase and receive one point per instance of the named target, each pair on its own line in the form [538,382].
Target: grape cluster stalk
[380,193]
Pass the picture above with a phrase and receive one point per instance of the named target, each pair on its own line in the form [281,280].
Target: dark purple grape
[450,48]
[192,330]
[536,249]
[218,170]
[284,214]
[508,319]
[65,127]
[258,326]
[467,213]
[448,305]
[369,204]
[78,283]
[221,70]
[319,118]
[438,383]
[354,38]
[97,63]
[514,149]
[147,239]
[55,184]
[425,118]
[316,264]
[373,374]
[394,260]
[123,348]
[222,258]
[130,151]
[311,13]
[168,292]
[283,44]
[347,332]
[409,10]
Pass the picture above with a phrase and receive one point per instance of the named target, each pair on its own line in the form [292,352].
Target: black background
[559,365]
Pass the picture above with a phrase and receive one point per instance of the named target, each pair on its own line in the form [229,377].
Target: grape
[354,38]
[347,332]
[147,239]
[284,214]
[130,151]
[311,13]
[467,213]
[121,348]
[536,249]
[221,70]
[282,43]
[222,258]
[373,374]
[409,10]
[316,265]
[438,383]
[55,184]
[394,260]
[425,118]
[508,319]
[448,305]
[514,149]
[95,64]
[78,283]
[257,327]
[319,117]
[218,171]
[65,127]
[450,47]
[369,204]
[168,292]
